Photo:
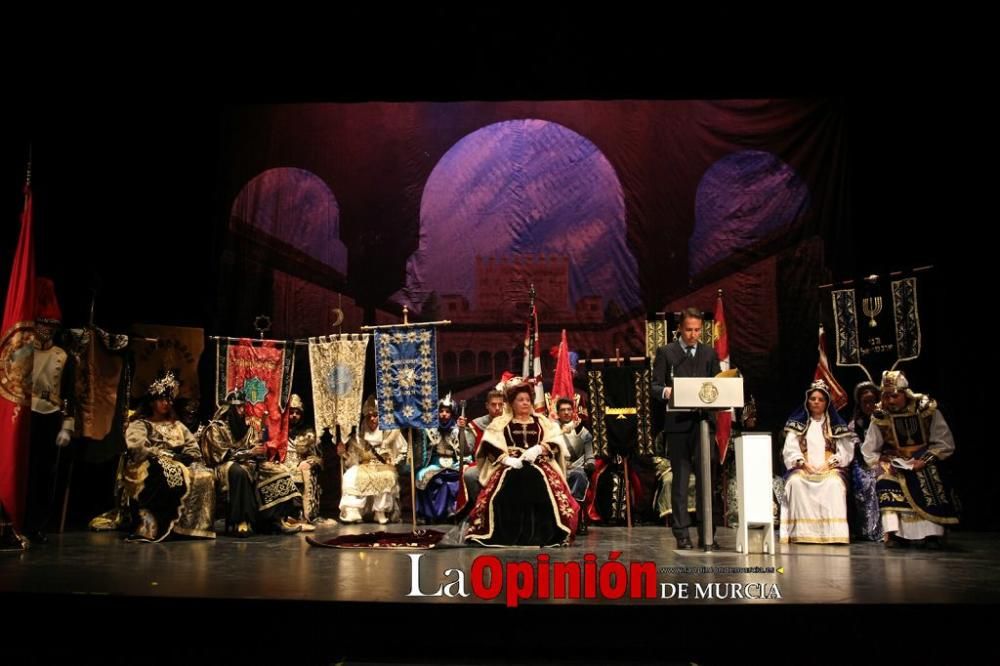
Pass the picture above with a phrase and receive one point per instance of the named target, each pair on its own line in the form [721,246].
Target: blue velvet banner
[406,380]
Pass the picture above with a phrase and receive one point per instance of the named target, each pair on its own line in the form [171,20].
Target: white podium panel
[707,392]
[753,483]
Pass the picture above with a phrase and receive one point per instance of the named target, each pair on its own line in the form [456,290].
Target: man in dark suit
[684,357]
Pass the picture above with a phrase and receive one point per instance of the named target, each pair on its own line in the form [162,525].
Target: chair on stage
[754,486]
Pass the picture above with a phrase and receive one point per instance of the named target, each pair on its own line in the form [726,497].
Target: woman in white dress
[819,447]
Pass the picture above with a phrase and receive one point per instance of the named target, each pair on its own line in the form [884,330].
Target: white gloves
[532,453]
[63,438]
[512,462]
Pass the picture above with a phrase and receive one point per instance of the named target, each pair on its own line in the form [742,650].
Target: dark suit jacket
[704,364]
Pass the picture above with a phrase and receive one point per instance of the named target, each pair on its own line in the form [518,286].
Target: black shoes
[684,543]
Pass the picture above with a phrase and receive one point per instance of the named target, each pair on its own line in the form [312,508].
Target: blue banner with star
[406,382]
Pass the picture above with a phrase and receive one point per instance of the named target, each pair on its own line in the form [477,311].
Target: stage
[375,605]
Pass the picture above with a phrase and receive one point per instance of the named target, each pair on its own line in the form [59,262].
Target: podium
[706,394]
[753,483]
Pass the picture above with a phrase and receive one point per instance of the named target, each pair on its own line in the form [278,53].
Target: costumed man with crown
[303,459]
[260,493]
[169,489]
[438,462]
[371,482]
[818,448]
[907,439]
[51,424]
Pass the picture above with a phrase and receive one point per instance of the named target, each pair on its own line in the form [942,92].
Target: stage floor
[344,597]
[285,567]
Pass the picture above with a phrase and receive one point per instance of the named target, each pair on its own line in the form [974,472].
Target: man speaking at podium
[685,357]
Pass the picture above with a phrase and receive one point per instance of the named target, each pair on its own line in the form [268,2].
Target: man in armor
[304,460]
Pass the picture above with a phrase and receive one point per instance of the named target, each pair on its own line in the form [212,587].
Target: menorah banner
[877,324]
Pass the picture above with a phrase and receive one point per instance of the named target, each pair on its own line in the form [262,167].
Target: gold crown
[894,381]
[164,387]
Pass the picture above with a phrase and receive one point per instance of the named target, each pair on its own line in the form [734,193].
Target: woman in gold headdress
[169,488]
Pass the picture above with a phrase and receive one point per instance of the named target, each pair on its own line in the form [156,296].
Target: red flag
[16,356]
[532,365]
[837,392]
[562,384]
[724,420]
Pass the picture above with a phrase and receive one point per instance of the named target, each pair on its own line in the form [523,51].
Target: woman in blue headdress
[818,448]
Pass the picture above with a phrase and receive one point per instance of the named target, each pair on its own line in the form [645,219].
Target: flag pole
[413,479]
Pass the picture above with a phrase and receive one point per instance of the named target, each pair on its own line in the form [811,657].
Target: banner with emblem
[337,365]
[177,348]
[262,371]
[877,324]
[406,381]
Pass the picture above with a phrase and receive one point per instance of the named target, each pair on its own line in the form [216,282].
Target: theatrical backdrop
[328,216]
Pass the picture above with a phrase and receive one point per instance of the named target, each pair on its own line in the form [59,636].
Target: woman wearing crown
[170,491]
[525,500]
[818,448]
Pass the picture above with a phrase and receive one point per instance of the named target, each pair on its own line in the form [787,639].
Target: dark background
[130,169]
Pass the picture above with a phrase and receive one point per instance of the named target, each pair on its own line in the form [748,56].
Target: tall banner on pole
[337,365]
[262,371]
[406,378]
[724,419]
[17,353]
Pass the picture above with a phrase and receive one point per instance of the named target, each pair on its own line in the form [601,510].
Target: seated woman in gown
[170,490]
[524,500]
[818,448]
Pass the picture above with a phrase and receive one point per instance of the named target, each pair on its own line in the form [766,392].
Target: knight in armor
[907,441]
[170,491]
[259,493]
[371,482]
[303,460]
[438,462]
